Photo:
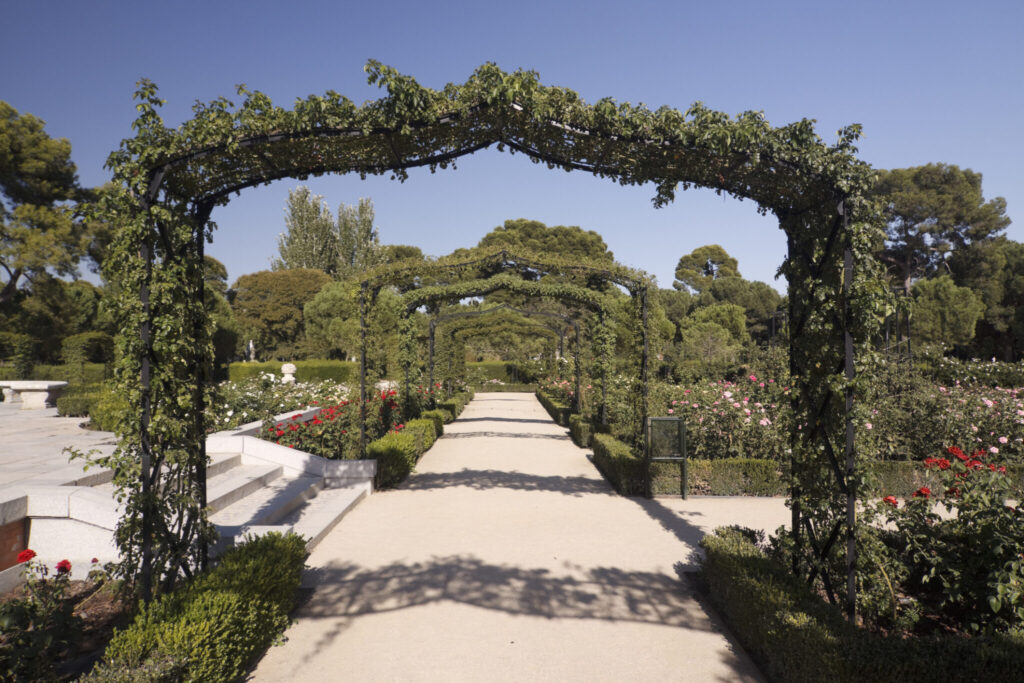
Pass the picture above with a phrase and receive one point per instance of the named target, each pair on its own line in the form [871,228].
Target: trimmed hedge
[439,417]
[305,370]
[395,453]
[581,430]
[795,636]
[215,626]
[901,478]
[77,405]
[491,369]
[616,461]
[87,347]
[735,477]
[425,431]
[558,411]
[92,373]
[456,403]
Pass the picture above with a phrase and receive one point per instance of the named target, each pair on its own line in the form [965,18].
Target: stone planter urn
[288,370]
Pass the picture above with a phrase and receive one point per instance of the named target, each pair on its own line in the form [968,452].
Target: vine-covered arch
[434,321]
[168,181]
[430,282]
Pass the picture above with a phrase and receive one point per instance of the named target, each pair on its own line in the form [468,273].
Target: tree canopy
[944,313]
[931,210]
[268,306]
[702,266]
[37,231]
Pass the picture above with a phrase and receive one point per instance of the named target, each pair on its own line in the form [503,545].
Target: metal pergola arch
[505,307]
[373,282]
[813,207]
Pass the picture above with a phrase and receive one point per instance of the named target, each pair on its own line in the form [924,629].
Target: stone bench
[32,394]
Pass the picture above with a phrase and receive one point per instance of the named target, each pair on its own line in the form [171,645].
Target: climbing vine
[169,180]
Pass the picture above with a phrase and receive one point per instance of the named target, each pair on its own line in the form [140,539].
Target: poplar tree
[310,240]
[358,242]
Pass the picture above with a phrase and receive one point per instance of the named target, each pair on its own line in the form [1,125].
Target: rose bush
[37,630]
[334,431]
[965,566]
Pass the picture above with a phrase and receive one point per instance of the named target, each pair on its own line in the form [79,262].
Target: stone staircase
[253,487]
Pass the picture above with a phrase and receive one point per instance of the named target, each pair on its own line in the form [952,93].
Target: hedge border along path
[484,563]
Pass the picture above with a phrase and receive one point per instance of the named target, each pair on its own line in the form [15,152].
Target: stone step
[219,464]
[269,503]
[314,520]
[222,462]
[233,485]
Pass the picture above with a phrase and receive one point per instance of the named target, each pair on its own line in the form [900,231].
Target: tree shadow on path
[345,590]
[482,480]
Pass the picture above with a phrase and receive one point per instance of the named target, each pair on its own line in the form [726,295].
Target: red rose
[26,555]
[891,500]
[923,492]
[63,567]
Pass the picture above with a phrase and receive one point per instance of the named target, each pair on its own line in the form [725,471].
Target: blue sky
[930,82]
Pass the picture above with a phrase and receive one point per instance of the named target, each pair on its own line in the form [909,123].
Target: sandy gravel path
[506,557]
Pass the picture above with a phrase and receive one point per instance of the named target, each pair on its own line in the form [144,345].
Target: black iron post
[146,334]
[433,326]
[202,374]
[851,493]
[577,404]
[795,490]
[644,392]
[362,370]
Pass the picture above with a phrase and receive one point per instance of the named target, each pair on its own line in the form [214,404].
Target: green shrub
[456,403]
[77,405]
[216,625]
[623,469]
[268,568]
[87,347]
[439,417]
[305,370]
[107,409]
[736,477]
[395,453]
[426,433]
[20,350]
[558,410]
[795,636]
[157,669]
[490,369]
[581,430]
[220,633]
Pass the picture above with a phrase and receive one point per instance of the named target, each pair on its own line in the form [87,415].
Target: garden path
[506,556]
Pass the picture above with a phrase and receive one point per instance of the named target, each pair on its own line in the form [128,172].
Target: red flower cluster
[891,500]
[923,492]
[63,567]
[26,555]
[942,463]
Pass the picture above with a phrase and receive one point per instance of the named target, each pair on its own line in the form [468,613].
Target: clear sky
[933,81]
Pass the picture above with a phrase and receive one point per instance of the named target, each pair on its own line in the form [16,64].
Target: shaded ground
[507,557]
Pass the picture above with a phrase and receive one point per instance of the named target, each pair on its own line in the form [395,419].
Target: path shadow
[481,480]
[345,590]
[506,419]
[485,400]
[508,435]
